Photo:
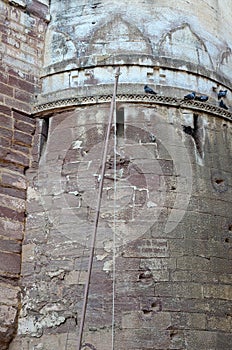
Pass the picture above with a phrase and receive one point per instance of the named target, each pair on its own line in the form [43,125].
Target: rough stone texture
[21,48]
[164,255]
[172,286]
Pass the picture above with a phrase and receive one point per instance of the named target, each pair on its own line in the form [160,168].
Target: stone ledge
[135,98]
[148,61]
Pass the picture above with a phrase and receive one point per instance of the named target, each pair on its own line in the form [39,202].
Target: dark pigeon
[202,98]
[148,90]
[222,105]
[222,94]
[190,96]
[152,138]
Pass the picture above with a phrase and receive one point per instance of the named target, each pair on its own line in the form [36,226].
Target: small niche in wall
[44,129]
[197,133]
[120,122]
[219,182]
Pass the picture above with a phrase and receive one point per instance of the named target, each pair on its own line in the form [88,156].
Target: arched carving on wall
[225,61]
[116,37]
[182,43]
[58,47]
[225,56]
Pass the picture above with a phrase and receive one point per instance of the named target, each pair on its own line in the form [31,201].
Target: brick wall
[22,28]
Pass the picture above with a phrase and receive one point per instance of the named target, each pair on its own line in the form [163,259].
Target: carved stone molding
[134,98]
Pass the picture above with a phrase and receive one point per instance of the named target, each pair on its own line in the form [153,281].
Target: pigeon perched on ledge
[190,96]
[152,138]
[148,90]
[222,105]
[202,98]
[222,93]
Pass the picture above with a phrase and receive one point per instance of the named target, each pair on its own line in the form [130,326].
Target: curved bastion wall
[162,267]
[175,46]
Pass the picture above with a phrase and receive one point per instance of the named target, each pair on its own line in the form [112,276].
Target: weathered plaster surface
[172,278]
[170,257]
[154,37]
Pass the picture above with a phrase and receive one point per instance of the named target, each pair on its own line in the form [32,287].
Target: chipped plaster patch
[108,266]
[108,246]
[76,144]
[58,273]
[32,194]
[101,257]
[33,326]
[151,204]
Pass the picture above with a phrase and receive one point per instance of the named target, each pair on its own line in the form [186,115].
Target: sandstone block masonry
[22,29]
[161,274]
[171,288]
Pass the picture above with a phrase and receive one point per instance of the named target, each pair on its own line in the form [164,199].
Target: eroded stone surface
[171,266]
[170,285]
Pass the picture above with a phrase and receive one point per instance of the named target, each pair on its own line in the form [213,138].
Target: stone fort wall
[162,267]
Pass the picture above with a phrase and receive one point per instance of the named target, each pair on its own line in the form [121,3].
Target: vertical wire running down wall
[93,241]
[114,226]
